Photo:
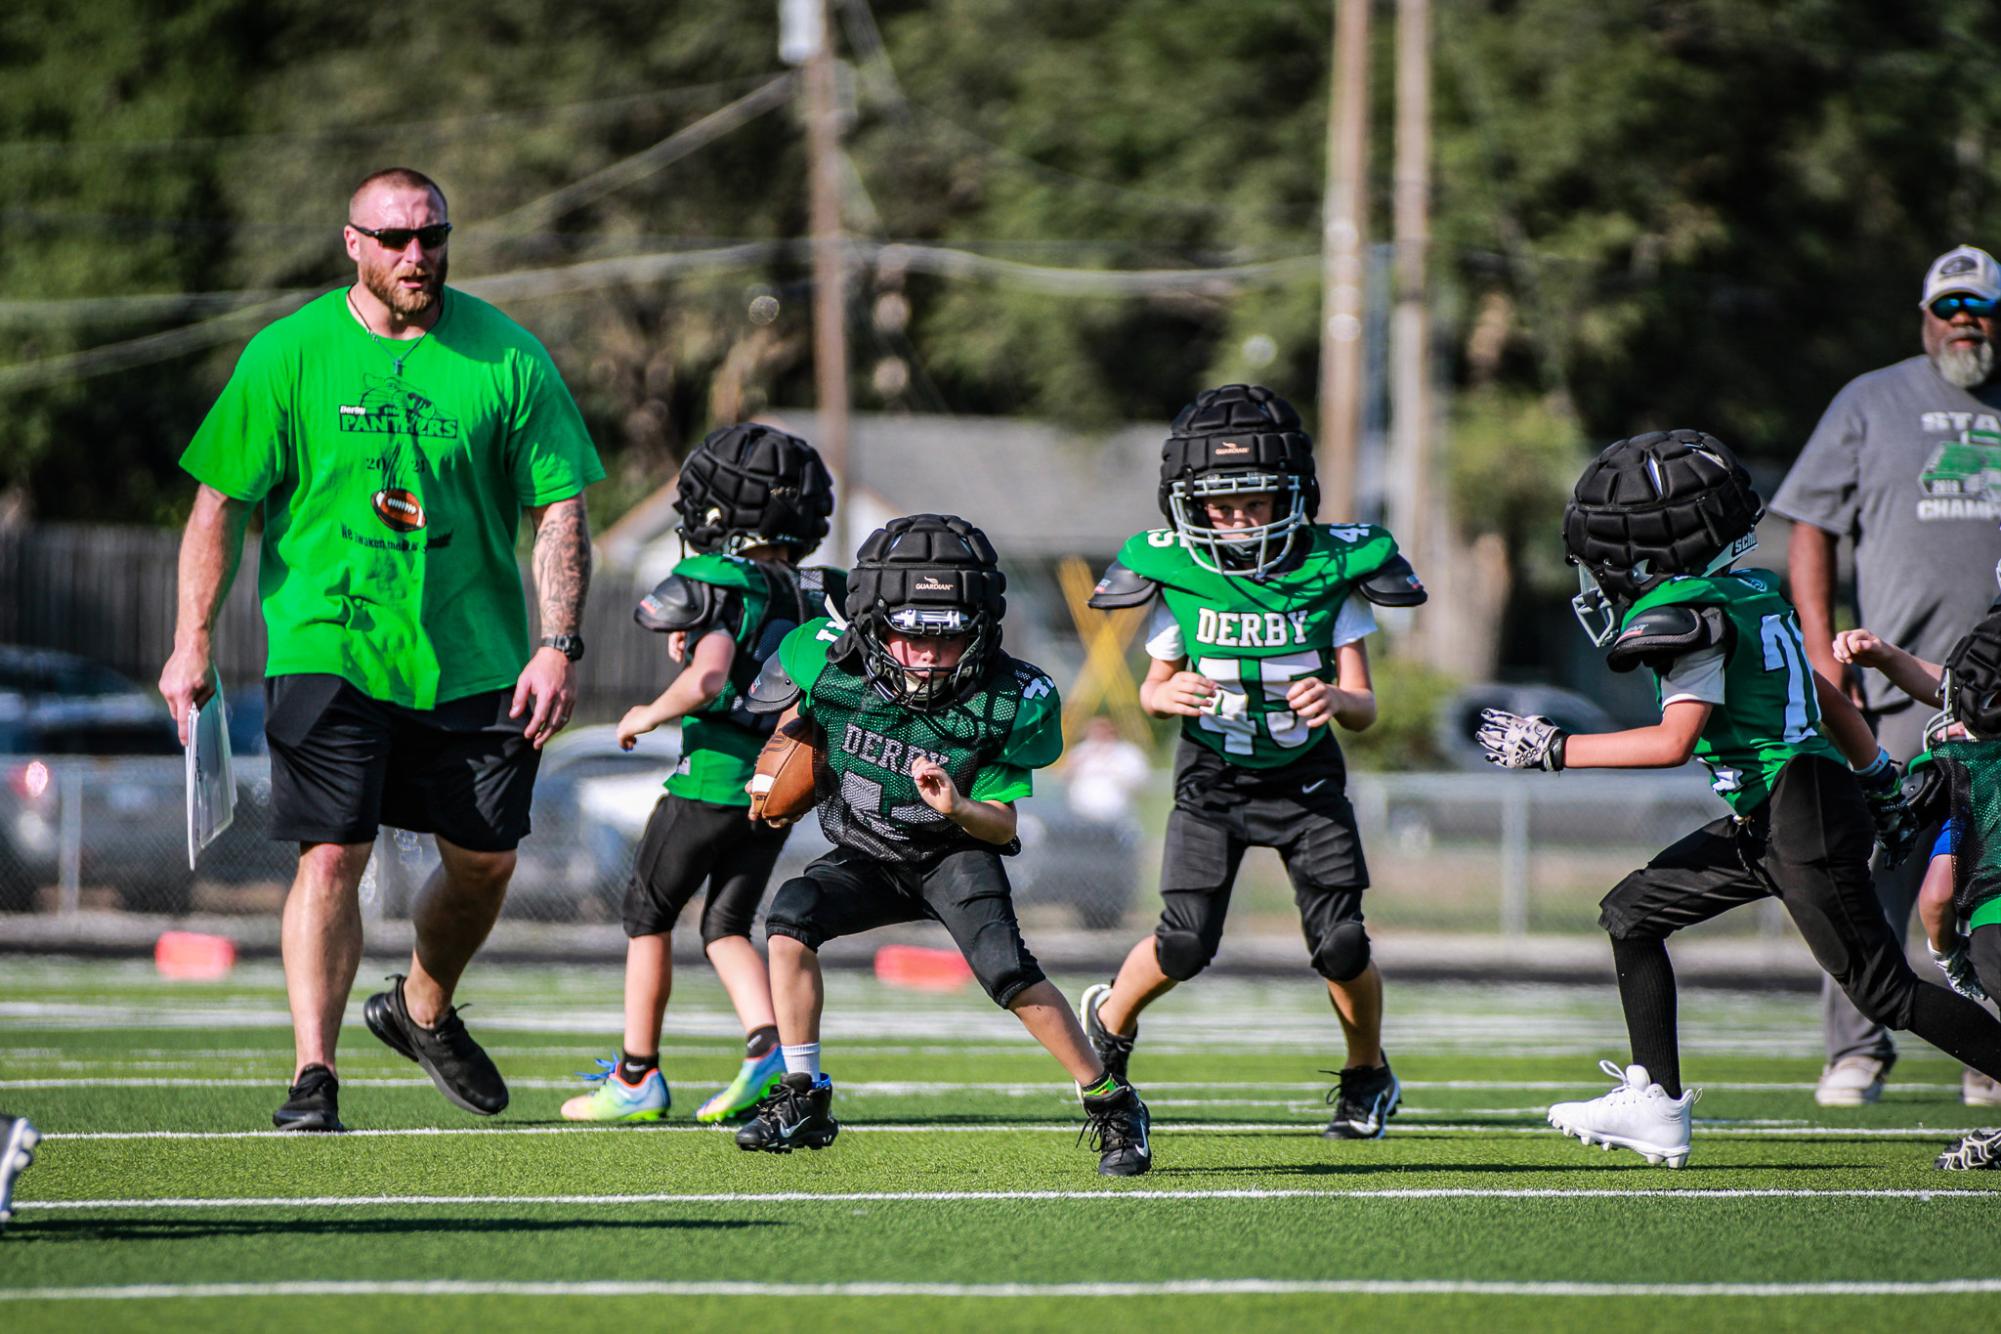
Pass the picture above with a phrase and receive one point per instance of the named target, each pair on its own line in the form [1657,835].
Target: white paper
[211,778]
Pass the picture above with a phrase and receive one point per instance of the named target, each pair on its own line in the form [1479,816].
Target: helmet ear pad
[1973,678]
[1657,505]
[923,562]
[750,485]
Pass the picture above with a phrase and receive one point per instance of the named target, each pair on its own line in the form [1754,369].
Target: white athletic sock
[803,1059]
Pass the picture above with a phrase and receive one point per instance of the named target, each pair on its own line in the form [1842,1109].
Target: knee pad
[1181,954]
[1342,953]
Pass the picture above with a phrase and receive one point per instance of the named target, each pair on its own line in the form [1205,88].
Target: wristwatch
[570,646]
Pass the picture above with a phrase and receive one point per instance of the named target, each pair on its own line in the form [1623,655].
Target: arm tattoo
[562,565]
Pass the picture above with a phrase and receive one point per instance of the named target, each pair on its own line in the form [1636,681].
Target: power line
[690,139]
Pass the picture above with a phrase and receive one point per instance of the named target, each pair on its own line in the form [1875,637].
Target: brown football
[782,788]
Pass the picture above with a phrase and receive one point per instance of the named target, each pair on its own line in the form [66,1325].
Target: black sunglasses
[1948,306]
[398,238]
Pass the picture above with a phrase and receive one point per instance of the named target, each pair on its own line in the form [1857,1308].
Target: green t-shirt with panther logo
[989,742]
[720,740]
[392,477]
[1254,638]
[1770,712]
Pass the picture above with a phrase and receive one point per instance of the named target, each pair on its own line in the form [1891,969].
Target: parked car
[72,725]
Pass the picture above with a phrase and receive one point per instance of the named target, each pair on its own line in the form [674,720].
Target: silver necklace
[395,358]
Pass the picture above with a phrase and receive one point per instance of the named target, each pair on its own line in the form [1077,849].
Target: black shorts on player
[1302,811]
[343,764]
[846,892]
[687,843]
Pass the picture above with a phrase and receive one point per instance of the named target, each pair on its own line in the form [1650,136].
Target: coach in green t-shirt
[393,431]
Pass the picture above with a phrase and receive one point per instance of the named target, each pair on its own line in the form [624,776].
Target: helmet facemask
[930,686]
[1253,551]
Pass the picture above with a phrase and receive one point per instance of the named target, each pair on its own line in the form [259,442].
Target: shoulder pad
[1120,587]
[1926,787]
[1394,584]
[774,690]
[1659,635]
[678,603]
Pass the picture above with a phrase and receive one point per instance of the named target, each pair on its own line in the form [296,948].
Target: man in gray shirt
[1906,462]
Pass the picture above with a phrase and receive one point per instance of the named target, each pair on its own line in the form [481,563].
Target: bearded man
[1902,464]
[394,432]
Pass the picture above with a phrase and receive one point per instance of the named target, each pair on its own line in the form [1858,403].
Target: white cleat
[1637,1114]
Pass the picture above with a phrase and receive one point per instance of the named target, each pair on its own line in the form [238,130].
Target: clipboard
[211,776]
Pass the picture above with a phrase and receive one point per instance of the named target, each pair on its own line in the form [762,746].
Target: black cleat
[18,1138]
[447,1053]
[312,1104]
[1978,1152]
[1115,1050]
[1119,1126]
[1364,1099]
[798,1114]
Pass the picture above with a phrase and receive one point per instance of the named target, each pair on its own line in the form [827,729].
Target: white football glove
[1517,742]
[1958,970]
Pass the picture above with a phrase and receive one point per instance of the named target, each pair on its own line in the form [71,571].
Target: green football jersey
[988,742]
[1254,638]
[1973,781]
[720,740]
[1770,713]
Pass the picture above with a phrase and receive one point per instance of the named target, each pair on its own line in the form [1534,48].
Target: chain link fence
[1505,853]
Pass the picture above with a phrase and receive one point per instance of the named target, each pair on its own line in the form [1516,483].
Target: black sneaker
[1364,1099]
[1978,1152]
[796,1115]
[312,1104]
[1118,1124]
[447,1053]
[17,1149]
[1114,1050]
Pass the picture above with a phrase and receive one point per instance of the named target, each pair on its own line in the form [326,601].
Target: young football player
[1256,640]
[753,502]
[1655,525]
[926,735]
[1961,916]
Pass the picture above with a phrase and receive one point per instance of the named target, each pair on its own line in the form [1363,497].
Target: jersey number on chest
[1239,725]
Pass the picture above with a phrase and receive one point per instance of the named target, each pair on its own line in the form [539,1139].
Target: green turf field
[958,1194]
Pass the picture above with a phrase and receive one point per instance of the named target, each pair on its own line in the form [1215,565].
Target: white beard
[1965,366]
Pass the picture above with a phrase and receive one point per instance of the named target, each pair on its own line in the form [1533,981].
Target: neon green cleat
[615,1100]
[753,1081]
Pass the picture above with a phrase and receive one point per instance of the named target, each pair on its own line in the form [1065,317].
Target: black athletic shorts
[687,842]
[1808,846]
[1301,809]
[846,892]
[343,764]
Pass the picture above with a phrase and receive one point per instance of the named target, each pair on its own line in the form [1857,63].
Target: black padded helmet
[750,485]
[925,574]
[1972,684]
[1651,507]
[1241,439]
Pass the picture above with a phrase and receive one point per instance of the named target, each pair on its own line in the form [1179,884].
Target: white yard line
[1752,1128]
[1200,1287]
[985,1196]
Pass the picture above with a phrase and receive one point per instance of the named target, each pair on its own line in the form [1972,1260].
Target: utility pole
[1415,506]
[806,37]
[1341,273]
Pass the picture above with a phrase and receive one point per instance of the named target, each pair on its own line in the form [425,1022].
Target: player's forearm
[688,692]
[1355,710]
[1844,724]
[1935,904]
[562,564]
[1637,748]
[1810,567]
[211,547]
[988,821]
[1914,676]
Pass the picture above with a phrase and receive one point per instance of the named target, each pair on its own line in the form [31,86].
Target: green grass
[947,1109]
